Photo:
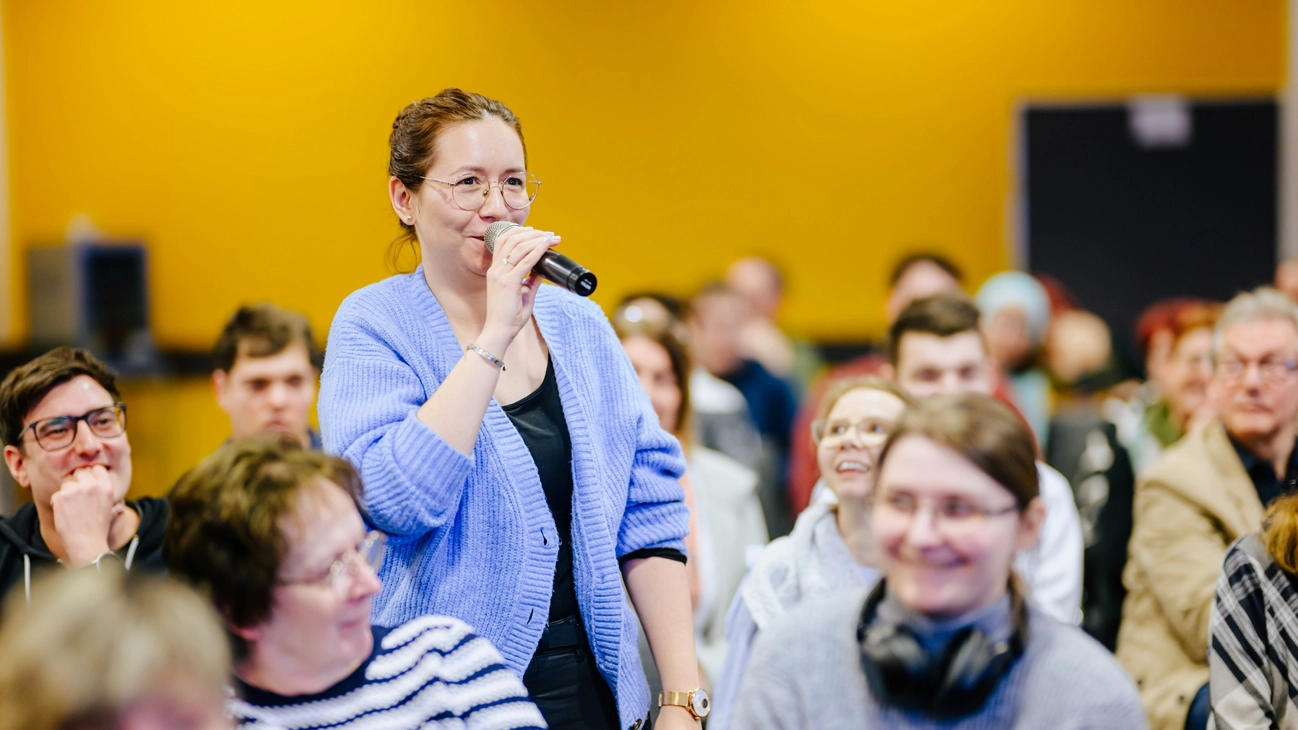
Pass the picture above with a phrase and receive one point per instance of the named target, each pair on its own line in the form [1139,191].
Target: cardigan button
[636,726]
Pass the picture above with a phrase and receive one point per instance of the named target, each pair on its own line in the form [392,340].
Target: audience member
[946,638]
[920,276]
[1206,491]
[1286,278]
[1253,649]
[761,284]
[830,548]
[716,316]
[916,276]
[505,443]
[720,417]
[726,521]
[1016,317]
[266,372]
[937,348]
[274,535]
[64,430]
[111,651]
[1178,360]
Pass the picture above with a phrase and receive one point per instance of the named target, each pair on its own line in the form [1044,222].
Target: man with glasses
[1204,492]
[64,430]
[935,347]
[274,535]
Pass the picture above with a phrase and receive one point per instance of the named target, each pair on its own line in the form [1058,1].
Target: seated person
[946,638]
[715,317]
[915,276]
[266,373]
[111,651]
[1252,661]
[830,549]
[1206,491]
[64,430]
[936,348]
[274,535]
[726,522]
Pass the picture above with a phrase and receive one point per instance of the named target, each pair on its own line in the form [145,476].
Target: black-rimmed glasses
[470,193]
[59,432]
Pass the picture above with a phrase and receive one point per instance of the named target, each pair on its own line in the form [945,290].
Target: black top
[539,420]
[1262,472]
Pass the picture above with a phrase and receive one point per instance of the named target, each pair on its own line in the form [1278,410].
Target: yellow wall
[246,141]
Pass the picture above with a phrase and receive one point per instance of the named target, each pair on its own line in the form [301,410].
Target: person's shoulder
[571,304]
[1067,657]
[824,620]
[1052,484]
[379,298]
[442,634]
[1189,457]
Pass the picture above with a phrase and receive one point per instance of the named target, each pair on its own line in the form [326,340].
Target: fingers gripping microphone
[553,266]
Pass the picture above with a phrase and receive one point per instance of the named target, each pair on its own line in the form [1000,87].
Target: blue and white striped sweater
[433,672]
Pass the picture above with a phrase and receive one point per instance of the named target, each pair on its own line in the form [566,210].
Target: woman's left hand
[676,718]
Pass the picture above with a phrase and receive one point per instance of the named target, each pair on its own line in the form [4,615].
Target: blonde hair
[1280,533]
[93,643]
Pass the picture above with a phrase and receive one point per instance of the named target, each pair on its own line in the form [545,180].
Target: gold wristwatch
[696,701]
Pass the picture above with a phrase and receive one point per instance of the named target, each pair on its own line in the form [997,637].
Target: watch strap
[677,699]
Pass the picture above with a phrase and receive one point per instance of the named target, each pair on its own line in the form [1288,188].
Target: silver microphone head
[495,229]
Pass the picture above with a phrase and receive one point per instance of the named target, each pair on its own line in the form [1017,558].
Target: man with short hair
[64,431]
[915,276]
[1204,492]
[936,348]
[266,373]
[273,535]
[761,284]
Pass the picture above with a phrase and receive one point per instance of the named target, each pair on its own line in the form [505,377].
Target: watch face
[701,702]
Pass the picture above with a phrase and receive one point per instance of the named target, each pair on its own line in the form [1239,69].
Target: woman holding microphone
[505,443]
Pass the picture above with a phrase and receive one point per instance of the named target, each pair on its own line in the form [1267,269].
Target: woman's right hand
[511,286]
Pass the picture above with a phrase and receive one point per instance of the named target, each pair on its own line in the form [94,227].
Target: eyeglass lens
[518,191]
[61,431]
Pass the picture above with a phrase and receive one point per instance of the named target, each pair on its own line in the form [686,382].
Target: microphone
[553,266]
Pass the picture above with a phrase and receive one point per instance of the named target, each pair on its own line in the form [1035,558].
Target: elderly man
[1203,493]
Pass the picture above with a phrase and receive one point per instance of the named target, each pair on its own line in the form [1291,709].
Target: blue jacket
[472,537]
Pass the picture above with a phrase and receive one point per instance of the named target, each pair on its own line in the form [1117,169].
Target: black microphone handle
[553,266]
[567,273]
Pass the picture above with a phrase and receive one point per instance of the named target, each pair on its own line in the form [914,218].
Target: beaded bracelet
[486,356]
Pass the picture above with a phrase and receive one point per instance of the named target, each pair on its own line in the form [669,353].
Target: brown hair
[903,266]
[1280,533]
[264,330]
[91,644]
[942,315]
[412,145]
[664,335]
[982,430]
[224,534]
[839,388]
[25,386]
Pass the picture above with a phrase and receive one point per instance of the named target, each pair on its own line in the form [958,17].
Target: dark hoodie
[22,547]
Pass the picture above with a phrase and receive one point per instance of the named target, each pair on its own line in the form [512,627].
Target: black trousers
[565,683]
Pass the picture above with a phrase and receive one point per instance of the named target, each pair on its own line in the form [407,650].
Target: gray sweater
[805,672]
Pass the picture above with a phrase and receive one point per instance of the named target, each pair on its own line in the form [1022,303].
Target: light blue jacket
[472,537]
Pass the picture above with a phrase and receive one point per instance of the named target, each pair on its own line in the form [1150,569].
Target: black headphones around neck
[955,683]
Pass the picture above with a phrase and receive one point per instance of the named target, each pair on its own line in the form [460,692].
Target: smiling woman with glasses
[521,476]
[947,637]
[830,549]
[274,536]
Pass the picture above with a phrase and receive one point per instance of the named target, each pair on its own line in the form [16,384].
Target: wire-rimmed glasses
[59,432]
[367,555]
[518,190]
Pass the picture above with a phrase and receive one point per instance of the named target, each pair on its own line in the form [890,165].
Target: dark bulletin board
[1123,223]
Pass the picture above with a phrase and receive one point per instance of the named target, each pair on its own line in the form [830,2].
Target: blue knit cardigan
[472,537]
